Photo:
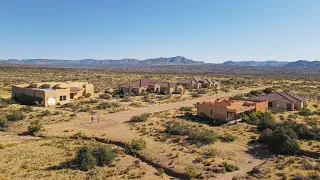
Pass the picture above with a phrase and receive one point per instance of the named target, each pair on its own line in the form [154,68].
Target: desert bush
[202,91]
[104,155]
[105,96]
[34,127]
[85,159]
[15,116]
[3,122]
[45,113]
[185,108]
[266,122]
[230,167]
[305,111]
[136,104]
[302,131]
[267,90]
[178,128]
[140,118]
[195,94]
[27,109]
[106,105]
[254,118]
[282,140]
[191,172]
[87,95]
[202,137]
[227,138]
[92,101]
[146,98]
[25,99]
[255,92]
[160,171]
[135,146]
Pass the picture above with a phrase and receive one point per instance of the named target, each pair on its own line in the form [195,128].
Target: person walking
[92,118]
[98,119]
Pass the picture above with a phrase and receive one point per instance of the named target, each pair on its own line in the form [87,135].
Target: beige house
[282,100]
[169,87]
[141,86]
[227,109]
[197,83]
[53,93]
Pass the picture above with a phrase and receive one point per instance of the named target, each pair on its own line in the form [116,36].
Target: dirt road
[113,127]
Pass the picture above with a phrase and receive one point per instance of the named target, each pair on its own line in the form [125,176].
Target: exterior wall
[282,105]
[298,105]
[262,106]
[53,93]
[217,113]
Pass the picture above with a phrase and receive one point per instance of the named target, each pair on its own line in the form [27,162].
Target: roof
[73,89]
[168,84]
[140,83]
[190,81]
[280,96]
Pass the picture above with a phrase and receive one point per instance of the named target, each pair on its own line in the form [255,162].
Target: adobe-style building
[197,83]
[53,93]
[141,86]
[227,109]
[282,100]
[169,87]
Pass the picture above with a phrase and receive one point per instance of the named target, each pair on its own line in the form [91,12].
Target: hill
[178,60]
[304,63]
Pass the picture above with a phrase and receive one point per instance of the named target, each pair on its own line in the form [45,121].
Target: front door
[71,95]
[51,101]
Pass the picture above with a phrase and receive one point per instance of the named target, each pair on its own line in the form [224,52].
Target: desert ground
[50,152]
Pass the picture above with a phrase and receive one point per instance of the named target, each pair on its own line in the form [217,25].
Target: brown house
[282,100]
[53,93]
[169,87]
[226,109]
[141,86]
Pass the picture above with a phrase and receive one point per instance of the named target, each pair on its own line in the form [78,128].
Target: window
[270,104]
[211,112]
[63,98]
[288,106]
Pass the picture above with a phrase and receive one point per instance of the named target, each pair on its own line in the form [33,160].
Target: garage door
[51,101]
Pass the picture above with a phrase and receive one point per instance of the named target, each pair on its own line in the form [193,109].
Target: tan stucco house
[197,83]
[53,93]
[141,86]
[169,87]
[227,109]
[283,100]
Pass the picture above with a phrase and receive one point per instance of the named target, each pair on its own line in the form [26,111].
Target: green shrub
[87,95]
[185,108]
[255,92]
[191,172]
[106,105]
[135,146]
[3,122]
[25,99]
[104,155]
[227,138]
[160,171]
[35,127]
[202,137]
[178,128]
[85,159]
[15,116]
[27,109]
[266,122]
[267,90]
[305,111]
[140,118]
[230,167]
[282,140]
[105,96]
[45,113]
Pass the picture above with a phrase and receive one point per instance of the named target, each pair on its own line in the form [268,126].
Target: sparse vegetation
[140,118]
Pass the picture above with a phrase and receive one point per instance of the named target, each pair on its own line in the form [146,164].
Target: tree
[104,155]
[266,122]
[267,90]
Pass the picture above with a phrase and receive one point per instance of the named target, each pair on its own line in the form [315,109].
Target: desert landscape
[154,135]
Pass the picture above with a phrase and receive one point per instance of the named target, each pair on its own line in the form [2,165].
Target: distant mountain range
[257,63]
[178,60]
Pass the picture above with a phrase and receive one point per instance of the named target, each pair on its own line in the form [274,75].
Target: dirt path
[113,127]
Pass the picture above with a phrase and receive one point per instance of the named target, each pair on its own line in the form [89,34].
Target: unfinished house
[282,100]
[226,109]
[169,87]
[53,93]
[141,86]
[208,83]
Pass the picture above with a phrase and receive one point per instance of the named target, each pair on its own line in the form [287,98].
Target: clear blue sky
[208,30]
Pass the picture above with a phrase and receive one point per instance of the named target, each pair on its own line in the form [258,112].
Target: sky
[208,30]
